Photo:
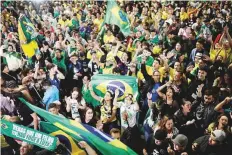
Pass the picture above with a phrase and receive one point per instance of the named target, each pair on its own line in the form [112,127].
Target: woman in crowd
[108,110]
[76,104]
[167,124]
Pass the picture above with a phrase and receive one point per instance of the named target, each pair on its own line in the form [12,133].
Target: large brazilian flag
[98,140]
[125,84]
[27,36]
[114,15]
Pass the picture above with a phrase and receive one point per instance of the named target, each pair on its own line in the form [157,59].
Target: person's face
[201,74]
[107,96]
[177,147]
[128,99]
[212,141]
[169,124]
[208,99]
[58,54]
[219,58]
[24,149]
[133,68]
[169,93]
[89,114]
[85,80]
[158,142]
[226,78]
[187,107]
[74,94]
[124,57]
[60,37]
[156,76]
[177,76]
[178,47]
[38,56]
[226,45]
[223,121]
[177,66]
[156,64]
[53,111]
[115,135]
[10,49]
[198,46]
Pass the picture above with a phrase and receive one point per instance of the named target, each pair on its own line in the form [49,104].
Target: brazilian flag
[27,36]
[114,15]
[98,140]
[125,84]
[70,143]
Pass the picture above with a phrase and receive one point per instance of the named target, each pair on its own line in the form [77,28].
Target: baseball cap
[218,135]
[180,140]
[160,134]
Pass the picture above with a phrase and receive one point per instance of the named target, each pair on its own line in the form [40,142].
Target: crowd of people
[180,52]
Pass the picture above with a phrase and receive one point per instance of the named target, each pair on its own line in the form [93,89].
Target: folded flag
[95,138]
[125,84]
[27,36]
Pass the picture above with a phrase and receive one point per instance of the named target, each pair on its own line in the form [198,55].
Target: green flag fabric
[114,15]
[70,143]
[95,138]
[125,84]
[28,135]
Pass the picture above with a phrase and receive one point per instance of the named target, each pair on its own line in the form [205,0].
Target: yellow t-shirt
[63,23]
[213,53]
[183,16]
[108,39]
[98,22]
[156,50]
[164,15]
[99,54]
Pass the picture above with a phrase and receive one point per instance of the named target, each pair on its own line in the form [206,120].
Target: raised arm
[93,94]
[218,108]
[228,35]
[162,95]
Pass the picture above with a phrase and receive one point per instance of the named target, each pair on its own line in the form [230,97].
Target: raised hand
[116,93]
[149,96]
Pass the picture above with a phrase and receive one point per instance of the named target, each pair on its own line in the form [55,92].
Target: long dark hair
[216,123]
[79,97]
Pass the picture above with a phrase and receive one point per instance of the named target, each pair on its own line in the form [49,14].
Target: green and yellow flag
[114,15]
[70,143]
[125,84]
[27,36]
[98,140]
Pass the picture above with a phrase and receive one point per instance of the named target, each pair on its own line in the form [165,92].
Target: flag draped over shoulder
[27,36]
[95,138]
[125,84]
[114,15]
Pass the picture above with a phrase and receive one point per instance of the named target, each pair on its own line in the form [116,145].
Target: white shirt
[131,112]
